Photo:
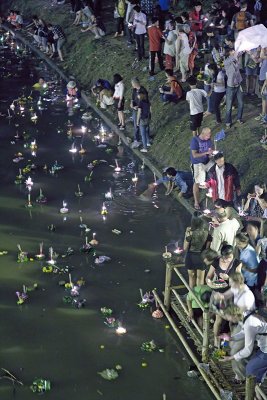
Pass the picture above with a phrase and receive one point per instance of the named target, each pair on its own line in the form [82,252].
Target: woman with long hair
[143,118]
[196,240]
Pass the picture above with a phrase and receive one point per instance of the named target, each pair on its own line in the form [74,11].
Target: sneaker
[240,121]
[228,126]
[259,117]
[135,144]
[148,145]
[143,150]
[122,127]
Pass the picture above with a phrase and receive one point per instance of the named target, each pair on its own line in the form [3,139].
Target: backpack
[241,21]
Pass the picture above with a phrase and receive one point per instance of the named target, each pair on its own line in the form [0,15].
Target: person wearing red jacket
[223,179]
[155,41]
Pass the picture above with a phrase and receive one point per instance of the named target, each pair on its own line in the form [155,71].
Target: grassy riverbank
[88,60]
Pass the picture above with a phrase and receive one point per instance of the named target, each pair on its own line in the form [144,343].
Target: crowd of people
[226,245]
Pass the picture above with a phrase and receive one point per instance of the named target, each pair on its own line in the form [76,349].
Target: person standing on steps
[201,148]
[136,88]
[118,96]
[59,39]
[139,26]
[155,43]
[195,99]
[233,89]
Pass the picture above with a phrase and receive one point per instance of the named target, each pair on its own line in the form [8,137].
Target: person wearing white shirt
[243,298]
[139,24]
[182,50]
[225,232]
[195,99]
[254,329]
[118,96]
[169,46]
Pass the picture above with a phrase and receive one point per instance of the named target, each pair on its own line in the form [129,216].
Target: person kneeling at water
[181,179]
[72,91]
[254,329]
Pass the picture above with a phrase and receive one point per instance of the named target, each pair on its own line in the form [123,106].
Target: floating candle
[84,129]
[117,168]
[135,178]
[109,195]
[121,330]
[64,209]
[73,149]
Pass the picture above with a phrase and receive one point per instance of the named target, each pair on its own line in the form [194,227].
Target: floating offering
[106,311]
[117,168]
[51,256]
[166,254]
[135,179]
[33,145]
[143,303]
[87,116]
[82,150]
[79,193]
[149,346]
[102,259]
[41,255]
[104,210]
[109,374]
[40,386]
[94,242]
[22,296]
[109,195]
[121,330]
[29,183]
[111,322]
[22,255]
[41,199]
[73,149]
[157,314]
[116,231]
[64,209]
[86,248]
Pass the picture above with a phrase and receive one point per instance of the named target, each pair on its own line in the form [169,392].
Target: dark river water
[45,337]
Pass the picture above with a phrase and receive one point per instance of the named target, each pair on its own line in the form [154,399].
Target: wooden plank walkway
[221,372]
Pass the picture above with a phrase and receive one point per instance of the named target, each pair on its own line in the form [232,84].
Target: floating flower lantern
[79,193]
[104,210]
[109,195]
[34,117]
[82,150]
[73,149]
[29,183]
[41,255]
[135,179]
[121,330]
[94,242]
[41,199]
[86,247]
[84,129]
[157,314]
[29,203]
[12,106]
[166,254]
[33,145]
[64,209]
[51,260]
[117,168]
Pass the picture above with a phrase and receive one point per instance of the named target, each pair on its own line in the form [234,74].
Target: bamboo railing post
[168,281]
[250,387]
[206,328]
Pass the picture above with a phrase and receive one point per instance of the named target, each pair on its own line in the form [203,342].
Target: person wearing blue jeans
[233,93]
[181,179]
[143,118]
[136,87]
[234,89]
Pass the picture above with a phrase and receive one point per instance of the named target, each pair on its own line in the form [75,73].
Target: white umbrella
[251,38]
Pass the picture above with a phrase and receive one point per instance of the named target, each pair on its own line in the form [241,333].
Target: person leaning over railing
[254,329]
